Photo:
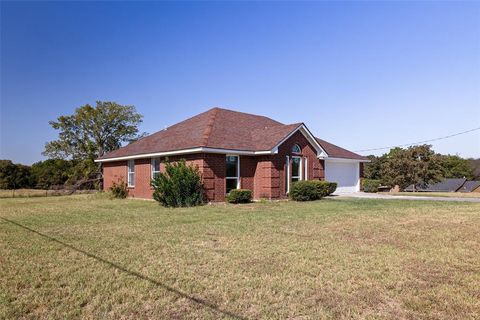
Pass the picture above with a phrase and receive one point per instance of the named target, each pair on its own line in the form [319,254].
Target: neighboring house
[446,185]
[470,186]
[235,150]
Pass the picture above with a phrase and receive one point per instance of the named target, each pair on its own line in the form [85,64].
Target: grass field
[30,193]
[435,194]
[91,257]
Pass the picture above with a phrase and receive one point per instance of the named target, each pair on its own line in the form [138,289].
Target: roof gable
[335,151]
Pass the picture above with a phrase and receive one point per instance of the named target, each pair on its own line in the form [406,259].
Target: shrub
[310,190]
[325,188]
[180,185]
[239,196]
[305,191]
[370,185]
[119,190]
[332,186]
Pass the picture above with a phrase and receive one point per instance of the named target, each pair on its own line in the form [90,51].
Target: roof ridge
[248,114]
[209,127]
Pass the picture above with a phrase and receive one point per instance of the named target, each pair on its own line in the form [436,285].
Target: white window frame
[238,171]
[131,171]
[152,167]
[287,172]
[305,163]
[299,169]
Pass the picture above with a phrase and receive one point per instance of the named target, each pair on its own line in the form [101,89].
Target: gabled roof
[220,129]
[446,185]
[470,186]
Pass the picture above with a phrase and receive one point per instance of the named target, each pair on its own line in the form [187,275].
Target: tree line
[418,165]
[89,133]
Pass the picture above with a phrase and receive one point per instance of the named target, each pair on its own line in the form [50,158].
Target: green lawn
[91,257]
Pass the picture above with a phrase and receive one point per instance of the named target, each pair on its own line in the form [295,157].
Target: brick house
[235,150]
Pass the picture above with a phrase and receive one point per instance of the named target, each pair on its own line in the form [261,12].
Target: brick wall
[213,173]
[143,173]
[261,178]
[114,172]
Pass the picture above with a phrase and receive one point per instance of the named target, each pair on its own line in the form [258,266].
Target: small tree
[119,190]
[179,186]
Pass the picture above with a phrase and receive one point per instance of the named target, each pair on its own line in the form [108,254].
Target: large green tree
[475,163]
[456,167]
[51,172]
[91,132]
[418,165]
[14,176]
[373,169]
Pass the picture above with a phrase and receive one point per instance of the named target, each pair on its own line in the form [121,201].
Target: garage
[345,173]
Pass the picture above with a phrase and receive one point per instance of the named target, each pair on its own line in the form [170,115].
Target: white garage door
[345,174]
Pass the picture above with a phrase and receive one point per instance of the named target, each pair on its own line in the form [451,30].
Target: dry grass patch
[29,193]
[99,258]
[435,194]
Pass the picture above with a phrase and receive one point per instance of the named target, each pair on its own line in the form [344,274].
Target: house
[235,150]
[470,186]
[446,185]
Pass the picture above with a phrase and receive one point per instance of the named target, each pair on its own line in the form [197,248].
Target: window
[155,167]
[305,161]
[296,169]
[131,173]
[296,149]
[232,173]
[287,175]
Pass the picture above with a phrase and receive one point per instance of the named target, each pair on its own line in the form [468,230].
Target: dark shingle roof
[446,185]
[470,186]
[221,129]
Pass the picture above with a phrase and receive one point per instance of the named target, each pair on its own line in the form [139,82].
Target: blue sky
[361,75]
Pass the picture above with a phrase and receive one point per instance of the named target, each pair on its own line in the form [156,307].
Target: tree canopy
[418,165]
[456,167]
[14,176]
[93,131]
[51,172]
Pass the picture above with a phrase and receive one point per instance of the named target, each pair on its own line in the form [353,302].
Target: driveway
[364,195]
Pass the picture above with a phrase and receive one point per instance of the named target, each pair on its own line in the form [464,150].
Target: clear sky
[359,74]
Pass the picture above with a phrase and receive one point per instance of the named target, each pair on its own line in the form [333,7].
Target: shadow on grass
[133,273]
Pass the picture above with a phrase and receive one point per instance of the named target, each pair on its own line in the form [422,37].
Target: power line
[420,142]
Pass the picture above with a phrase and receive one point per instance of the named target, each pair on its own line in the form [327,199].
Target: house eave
[343,159]
[187,151]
